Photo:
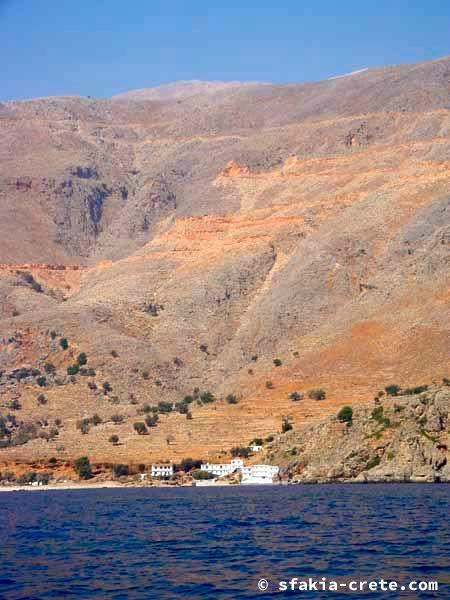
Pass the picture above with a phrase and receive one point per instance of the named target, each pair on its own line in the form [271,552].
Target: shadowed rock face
[308,223]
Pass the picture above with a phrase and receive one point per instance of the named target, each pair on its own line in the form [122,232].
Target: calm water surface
[218,542]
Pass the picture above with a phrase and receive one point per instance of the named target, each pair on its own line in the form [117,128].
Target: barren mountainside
[248,240]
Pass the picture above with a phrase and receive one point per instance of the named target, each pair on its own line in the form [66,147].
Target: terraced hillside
[250,241]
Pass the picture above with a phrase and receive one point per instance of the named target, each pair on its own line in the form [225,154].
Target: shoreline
[117,485]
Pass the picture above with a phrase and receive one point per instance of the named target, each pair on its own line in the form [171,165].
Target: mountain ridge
[193,244]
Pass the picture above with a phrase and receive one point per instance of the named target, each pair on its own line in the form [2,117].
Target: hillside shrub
[41,381]
[200,475]
[82,466]
[41,399]
[120,470]
[73,369]
[295,396]
[393,389]
[240,451]
[317,394]
[96,420]
[277,362]
[188,464]
[257,442]
[345,415]
[207,397]
[231,399]
[64,344]
[286,425]
[151,420]
[82,359]
[140,428]
[373,462]
[415,390]
[27,478]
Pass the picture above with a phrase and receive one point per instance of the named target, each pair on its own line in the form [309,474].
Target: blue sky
[102,47]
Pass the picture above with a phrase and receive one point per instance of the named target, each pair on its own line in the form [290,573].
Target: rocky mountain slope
[396,438]
[252,242]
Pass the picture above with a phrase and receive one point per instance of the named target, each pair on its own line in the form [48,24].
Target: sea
[226,542]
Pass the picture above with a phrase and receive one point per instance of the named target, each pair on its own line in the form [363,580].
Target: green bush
[415,390]
[182,408]
[49,368]
[140,428]
[96,420]
[64,343]
[145,374]
[207,397]
[41,399]
[345,415]
[269,385]
[257,442]
[232,399]
[27,478]
[277,362]
[151,420]
[165,407]
[41,381]
[116,419]
[392,389]
[82,359]
[202,475]
[120,470]
[373,462]
[84,425]
[188,399]
[241,451]
[286,425]
[114,353]
[317,394]
[295,396]
[188,464]
[269,439]
[378,415]
[73,369]
[82,466]
[106,387]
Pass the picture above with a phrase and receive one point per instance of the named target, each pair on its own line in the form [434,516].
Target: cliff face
[188,242]
[401,438]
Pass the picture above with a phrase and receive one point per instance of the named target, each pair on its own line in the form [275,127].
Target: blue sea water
[218,542]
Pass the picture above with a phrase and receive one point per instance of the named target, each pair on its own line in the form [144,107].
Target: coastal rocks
[398,439]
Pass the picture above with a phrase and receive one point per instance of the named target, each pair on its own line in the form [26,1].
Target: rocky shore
[398,438]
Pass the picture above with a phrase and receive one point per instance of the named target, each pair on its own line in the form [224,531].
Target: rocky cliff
[396,438]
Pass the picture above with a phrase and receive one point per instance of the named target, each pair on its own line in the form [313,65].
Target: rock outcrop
[400,438]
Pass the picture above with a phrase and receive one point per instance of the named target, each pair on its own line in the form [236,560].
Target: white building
[162,470]
[256,474]
[255,448]
[223,469]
